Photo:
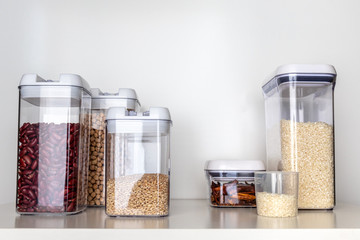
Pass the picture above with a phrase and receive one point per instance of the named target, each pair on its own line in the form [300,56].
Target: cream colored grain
[308,149]
[276,205]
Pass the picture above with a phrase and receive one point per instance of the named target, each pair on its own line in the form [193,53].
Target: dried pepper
[233,194]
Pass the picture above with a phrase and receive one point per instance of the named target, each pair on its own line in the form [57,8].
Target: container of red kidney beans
[53,145]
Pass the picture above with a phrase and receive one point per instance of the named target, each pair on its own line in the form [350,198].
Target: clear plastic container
[300,129]
[137,162]
[53,145]
[231,182]
[101,102]
[277,193]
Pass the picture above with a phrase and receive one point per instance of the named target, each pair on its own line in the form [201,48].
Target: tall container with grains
[137,162]
[53,145]
[101,102]
[299,109]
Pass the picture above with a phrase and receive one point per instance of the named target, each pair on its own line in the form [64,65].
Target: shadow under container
[53,145]
[138,162]
[299,110]
[277,193]
[231,182]
[101,102]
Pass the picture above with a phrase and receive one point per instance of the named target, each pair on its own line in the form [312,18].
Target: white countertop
[187,217]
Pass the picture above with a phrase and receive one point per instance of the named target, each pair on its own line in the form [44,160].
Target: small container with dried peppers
[231,182]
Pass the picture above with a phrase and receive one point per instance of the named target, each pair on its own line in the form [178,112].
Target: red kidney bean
[27,159]
[25,191]
[23,152]
[30,150]
[32,194]
[28,172]
[27,182]
[22,162]
[48,167]
[34,164]
[70,207]
[24,126]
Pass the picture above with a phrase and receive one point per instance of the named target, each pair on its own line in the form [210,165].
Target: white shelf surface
[187,218]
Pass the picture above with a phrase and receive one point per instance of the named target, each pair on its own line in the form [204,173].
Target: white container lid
[234,165]
[68,90]
[123,93]
[155,121]
[302,69]
[74,80]
[154,113]
[323,74]
[125,97]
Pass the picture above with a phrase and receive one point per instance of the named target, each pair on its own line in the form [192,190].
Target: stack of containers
[61,150]
[300,129]
[53,144]
[101,102]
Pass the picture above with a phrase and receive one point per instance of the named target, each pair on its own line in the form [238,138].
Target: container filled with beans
[138,162]
[101,102]
[53,150]
[231,182]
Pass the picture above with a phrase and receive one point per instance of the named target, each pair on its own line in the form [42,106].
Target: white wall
[204,60]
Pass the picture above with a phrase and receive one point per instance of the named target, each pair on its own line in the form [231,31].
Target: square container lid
[53,93]
[123,93]
[304,69]
[65,79]
[309,73]
[156,120]
[106,100]
[234,165]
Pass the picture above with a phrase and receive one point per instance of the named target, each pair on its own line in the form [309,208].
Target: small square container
[277,193]
[231,182]
[137,162]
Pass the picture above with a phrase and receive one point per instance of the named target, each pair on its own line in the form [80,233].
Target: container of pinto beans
[231,182]
[101,102]
[53,145]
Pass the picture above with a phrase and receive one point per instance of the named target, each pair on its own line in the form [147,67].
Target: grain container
[231,182]
[53,145]
[277,193]
[101,102]
[137,162]
[299,109]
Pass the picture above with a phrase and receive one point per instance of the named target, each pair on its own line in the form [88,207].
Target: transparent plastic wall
[300,134]
[138,167]
[96,178]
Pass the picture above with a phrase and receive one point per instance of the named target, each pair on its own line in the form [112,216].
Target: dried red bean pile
[48,167]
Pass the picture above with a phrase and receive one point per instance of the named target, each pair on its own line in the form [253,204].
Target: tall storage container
[53,145]
[101,102]
[138,162]
[300,129]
